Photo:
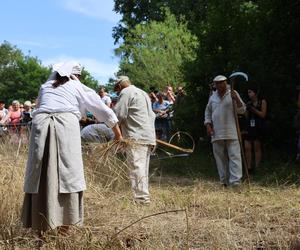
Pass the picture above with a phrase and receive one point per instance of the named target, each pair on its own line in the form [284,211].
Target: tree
[88,80]
[155,52]
[258,37]
[21,76]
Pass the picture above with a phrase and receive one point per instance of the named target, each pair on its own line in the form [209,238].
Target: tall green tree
[155,52]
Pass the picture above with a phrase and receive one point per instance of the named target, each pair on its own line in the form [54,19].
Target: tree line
[22,75]
[170,42]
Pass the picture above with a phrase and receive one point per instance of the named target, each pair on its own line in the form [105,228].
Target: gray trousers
[227,154]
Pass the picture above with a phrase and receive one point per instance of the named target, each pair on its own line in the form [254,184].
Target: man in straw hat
[136,119]
[220,125]
[54,178]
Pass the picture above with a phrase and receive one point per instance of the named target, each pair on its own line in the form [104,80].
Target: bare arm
[117,132]
[263,112]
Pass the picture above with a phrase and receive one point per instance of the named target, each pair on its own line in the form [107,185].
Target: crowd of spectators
[15,120]
[163,103]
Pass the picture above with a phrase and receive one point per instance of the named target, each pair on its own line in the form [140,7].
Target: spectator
[3,110]
[21,107]
[169,94]
[104,97]
[161,109]
[255,115]
[152,94]
[27,112]
[14,115]
[220,125]
[180,96]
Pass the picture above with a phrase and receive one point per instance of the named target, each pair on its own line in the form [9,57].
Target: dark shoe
[224,185]
[235,184]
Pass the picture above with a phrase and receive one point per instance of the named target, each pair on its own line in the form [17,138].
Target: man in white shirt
[104,97]
[136,120]
[221,126]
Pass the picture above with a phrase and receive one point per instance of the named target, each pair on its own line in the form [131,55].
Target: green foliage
[88,80]
[21,76]
[257,37]
[155,52]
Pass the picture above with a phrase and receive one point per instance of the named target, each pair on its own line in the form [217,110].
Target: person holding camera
[256,113]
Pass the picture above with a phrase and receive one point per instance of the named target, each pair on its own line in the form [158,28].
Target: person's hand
[170,93]
[234,95]
[118,138]
[73,77]
[209,129]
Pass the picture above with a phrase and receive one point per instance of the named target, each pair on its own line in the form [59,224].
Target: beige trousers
[138,159]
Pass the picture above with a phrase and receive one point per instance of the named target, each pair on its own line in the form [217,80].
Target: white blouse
[76,98]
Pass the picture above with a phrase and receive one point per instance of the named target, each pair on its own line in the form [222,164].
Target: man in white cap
[220,125]
[136,120]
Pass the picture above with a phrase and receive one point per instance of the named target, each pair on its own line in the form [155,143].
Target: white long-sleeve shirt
[135,115]
[219,112]
[76,98]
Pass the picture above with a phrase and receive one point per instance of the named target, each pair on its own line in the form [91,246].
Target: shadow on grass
[276,169]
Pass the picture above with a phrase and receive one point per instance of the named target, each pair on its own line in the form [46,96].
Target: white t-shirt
[3,113]
[106,99]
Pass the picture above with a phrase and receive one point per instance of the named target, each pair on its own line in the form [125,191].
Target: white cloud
[100,9]
[100,70]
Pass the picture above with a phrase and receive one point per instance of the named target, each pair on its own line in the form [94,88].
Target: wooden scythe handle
[186,150]
[245,163]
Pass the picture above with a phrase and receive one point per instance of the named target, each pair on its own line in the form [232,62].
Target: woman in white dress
[54,178]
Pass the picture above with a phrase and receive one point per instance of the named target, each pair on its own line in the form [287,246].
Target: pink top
[15,117]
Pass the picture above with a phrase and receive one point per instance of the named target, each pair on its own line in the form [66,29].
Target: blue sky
[58,30]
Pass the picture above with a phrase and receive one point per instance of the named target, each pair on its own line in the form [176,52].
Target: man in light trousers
[220,125]
[136,120]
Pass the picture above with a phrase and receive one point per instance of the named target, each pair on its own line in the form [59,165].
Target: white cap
[220,78]
[27,103]
[122,78]
[67,68]
[76,70]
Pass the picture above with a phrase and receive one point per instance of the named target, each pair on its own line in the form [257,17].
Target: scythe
[232,79]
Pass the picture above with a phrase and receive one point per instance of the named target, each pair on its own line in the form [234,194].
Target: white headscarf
[67,68]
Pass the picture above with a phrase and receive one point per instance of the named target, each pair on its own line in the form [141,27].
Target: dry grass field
[185,212]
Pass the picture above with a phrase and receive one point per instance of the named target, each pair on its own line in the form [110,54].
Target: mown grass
[189,210]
